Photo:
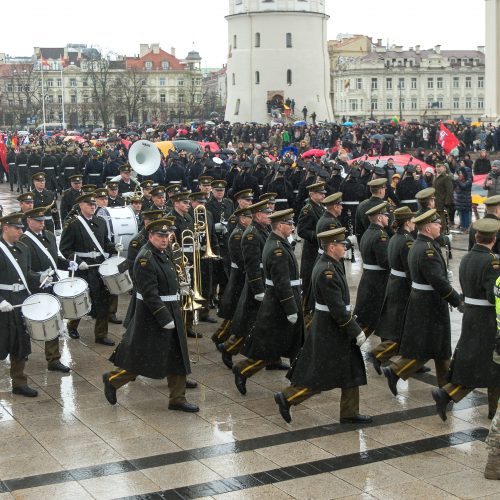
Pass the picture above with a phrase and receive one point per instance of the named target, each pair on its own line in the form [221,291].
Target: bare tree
[129,87]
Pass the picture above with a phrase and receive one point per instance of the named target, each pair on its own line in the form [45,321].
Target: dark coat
[273,335]
[147,348]
[252,245]
[443,184]
[462,196]
[406,189]
[398,288]
[68,200]
[472,236]
[426,329]
[371,288]
[306,229]
[46,198]
[362,222]
[472,364]
[330,357]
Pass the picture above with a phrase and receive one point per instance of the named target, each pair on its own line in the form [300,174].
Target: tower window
[289,76]
[257,78]
[257,39]
[235,40]
[233,77]
[237,108]
[288,40]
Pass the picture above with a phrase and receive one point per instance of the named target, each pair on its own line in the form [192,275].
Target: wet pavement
[70,443]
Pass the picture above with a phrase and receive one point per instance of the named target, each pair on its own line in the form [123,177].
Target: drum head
[110,266]
[40,306]
[70,287]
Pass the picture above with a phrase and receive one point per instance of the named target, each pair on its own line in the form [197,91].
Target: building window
[414,103]
[430,101]
[181,98]
[72,82]
[353,104]
[85,98]
[456,102]
[388,83]
[413,83]
[197,82]
[180,82]
[468,103]
[163,98]
[50,82]
[401,83]
[456,82]
[480,103]
[85,83]
[257,78]
[289,76]
[50,98]
[73,99]
[440,103]
[237,108]
[439,83]
[235,41]
[389,104]
[148,65]
[162,82]
[59,99]
[359,83]
[374,104]
[480,82]
[288,40]
[257,39]
[374,83]
[233,79]
[59,82]
[430,83]
[10,87]
[468,82]
[165,65]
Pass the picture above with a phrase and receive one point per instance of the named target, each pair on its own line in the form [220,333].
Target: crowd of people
[239,206]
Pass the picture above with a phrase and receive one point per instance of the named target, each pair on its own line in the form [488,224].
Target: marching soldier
[69,167]
[94,169]
[146,187]
[492,206]
[352,191]
[18,279]
[252,245]
[377,189]
[86,237]
[26,201]
[69,196]
[22,168]
[425,335]
[330,217]
[236,281]
[306,229]
[34,162]
[11,161]
[397,291]
[331,356]
[42,246]
[279,324]
[371,288]
[126,184]
[49,167]
[243,199]
[45,198]
[282,188]
[472,364]
[114,199]
[154,344]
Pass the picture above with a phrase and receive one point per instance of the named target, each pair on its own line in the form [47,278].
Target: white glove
[73,266]
[169,326]
[83,266]
[259,297]
[360,339]
[47,275]
[185,289]
[291,239]
[119,247]
[292,318]
[5,306]
[450,276]
[58,232]
[220,228]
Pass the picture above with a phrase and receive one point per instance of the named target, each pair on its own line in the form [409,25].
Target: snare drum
[116,282]
[42,315]
[121,222]
[74,296]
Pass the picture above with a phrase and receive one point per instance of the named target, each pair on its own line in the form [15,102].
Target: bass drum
[121,223]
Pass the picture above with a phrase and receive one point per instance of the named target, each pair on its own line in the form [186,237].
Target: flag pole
[63,124]
[43,96]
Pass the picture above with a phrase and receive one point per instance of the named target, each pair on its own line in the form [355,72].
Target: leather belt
[292,282]
[261,265]
[34,166]
[373,267]
[164,298]
[420,286]
[478,302]
[322,307]
[16,287]
[400,274]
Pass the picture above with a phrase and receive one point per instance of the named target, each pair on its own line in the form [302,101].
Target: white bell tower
[277,49]
[492,104]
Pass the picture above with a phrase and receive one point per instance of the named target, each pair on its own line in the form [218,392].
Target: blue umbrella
[347,124]
[379,137]
[300,123]
[289,148]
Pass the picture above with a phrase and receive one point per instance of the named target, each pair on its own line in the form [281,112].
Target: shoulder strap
[92,236]
[38,243]
[14,263]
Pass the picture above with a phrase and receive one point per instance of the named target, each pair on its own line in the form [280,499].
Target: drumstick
[73,272]
[121,237]
[28,304]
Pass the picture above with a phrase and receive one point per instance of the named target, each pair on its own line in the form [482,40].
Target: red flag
[446,139]
[3,154]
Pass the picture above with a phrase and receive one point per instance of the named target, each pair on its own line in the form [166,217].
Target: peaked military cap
[14,219]
[260,206]
[89,188]
[487,226]
[39,176]
[381,208]
[36,213]
[161,226]
[282,215]
[318,187]
[125,168]
[333,236]
[333,199]
[243,212]
[181,196]
[246,194]
[425,194]
[173,188]
[86,198]
[377,182]
[112,185]
[147,184]
[75,178]
[158,191]
[152,214]
[136,198]
[219,184]
[269,197]
[101,193]
[26,197]
[205,180]
[403,213]
[492,200]
[427,217]
[199,196]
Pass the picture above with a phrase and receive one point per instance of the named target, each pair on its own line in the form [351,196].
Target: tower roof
[193,55]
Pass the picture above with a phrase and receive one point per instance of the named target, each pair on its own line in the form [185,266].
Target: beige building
[492,109]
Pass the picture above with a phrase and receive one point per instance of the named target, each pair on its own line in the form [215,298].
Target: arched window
[257,39]
[235,41]
[257,78]
[288,40]
[289,76]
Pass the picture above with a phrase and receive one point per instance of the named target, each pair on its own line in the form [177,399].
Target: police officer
[154,344]
[426,332]
[472,364]
[69,196]
[331,356]
[45,198]
[279,324]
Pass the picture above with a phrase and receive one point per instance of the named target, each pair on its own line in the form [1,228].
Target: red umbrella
[314,152]
[214,147]
[399,161]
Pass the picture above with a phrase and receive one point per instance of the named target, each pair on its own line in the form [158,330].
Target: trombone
[201,228]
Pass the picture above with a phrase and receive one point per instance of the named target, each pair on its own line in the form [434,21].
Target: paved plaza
[69,443]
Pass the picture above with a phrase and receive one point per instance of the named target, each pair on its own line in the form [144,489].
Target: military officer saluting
[426,330]
[472,366]
[154,344]
[42,246]
[279,325]
[69,196]
[45,198]
[331,356]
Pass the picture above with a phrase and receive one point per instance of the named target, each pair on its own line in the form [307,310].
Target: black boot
[442,399]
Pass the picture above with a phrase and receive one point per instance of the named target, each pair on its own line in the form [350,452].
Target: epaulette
[383,235]
[278,251]
[144,259]
[237,236]
[306,209]
[409,243]
[430,252]
[134,243]
[68,221]
[495,263]
[328,274]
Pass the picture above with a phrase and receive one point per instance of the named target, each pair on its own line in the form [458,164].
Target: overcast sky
[121,26]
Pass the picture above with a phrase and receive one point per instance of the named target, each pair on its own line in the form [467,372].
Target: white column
[492,101]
